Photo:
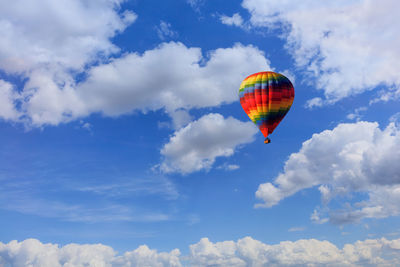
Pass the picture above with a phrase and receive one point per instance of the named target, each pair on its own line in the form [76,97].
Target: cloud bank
[352,158]
[245,252]
[33,253]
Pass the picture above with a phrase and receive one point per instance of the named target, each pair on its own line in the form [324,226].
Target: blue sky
[121,127]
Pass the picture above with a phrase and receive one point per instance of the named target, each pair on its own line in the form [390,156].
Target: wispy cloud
[235,20]
[195,4]
[39,206]
[96,202]
[228,167]
[164,31]
[391,94]
[296,229]
[156,185]
[356,114]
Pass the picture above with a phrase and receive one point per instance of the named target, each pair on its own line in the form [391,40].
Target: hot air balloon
[266,97]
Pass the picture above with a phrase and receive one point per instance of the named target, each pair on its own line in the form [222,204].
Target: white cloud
[195,4]
[33,253]
[7,98]
[296,229]
[245,252]
[314,102]
[86,126]
[392,94]
[250,252]
[347,46]
[180,118]
[164,31]
[143,82]
[351,158]
[66,33]
[316,217]
[356,115]
[235,20]
[228,167]
[46,42]
[395,118]
[196,146]
[48,102]
[232,167]
[150,82]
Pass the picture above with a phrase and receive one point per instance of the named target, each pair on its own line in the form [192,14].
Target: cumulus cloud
[65,33]
[150,82]
[144,256]
[143,82]
[32,252]
[235,20]
[51,46]
[180,118]
[311,252]
[45,43]
[196,146]
[245,252]
[351,158]
[347,46]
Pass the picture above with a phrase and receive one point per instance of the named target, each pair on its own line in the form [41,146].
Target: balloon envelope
[266,97]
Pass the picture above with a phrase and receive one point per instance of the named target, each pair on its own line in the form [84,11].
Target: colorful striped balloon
[266,97]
